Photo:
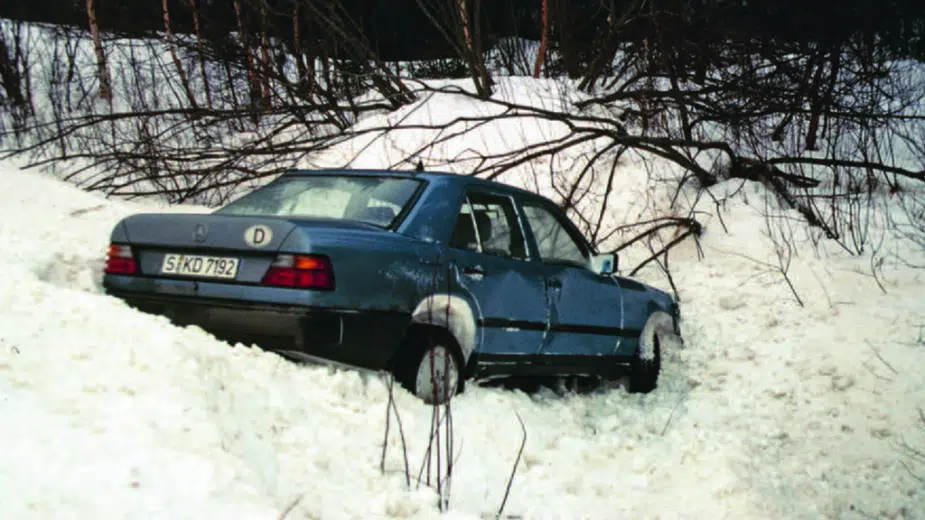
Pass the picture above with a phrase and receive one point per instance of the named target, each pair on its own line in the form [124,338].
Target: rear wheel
[644,372]
[431,366]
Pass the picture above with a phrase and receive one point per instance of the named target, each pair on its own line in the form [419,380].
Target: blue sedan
[436,278]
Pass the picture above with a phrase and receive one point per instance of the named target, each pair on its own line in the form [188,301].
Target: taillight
[120,260]
[302,272]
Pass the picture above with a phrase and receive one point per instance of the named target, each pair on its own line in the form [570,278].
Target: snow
[452,313]
[769,410]
[661,324]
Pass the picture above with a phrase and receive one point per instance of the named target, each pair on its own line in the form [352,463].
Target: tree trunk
[472,50]
[252,81]
[265,73]
[10,77]
[302,70]
[171,44]
[478,51]
[105,82]
[199,46]
[544,27]
[564,23]
[265,69]
[815,107]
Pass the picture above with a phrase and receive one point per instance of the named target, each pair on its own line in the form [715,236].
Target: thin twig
[824,289]
[428,453]
[404,444]
[388,421]
[393,407]
[78,212]
[671,415]
[663,265]
[874,265]
[792,288]
[510,481]
[912,473]
[291,507]
[877,353]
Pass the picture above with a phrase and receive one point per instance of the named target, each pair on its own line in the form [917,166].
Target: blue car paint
[509,310]
[585,313]
[158,229]
[511,299]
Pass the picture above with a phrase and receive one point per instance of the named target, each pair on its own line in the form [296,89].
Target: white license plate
[198,265]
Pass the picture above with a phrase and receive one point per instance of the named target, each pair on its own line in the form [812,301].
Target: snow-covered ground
[770,410]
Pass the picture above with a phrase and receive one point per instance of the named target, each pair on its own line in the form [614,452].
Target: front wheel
[644,369]
[431,367]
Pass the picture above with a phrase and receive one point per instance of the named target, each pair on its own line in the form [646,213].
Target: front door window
[584,307]
[553,240]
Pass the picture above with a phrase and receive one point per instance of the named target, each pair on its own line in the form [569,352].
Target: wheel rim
[438,375]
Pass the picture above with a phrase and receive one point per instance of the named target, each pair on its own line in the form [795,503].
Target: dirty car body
[346,266]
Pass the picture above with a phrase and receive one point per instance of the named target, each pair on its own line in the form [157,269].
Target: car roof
[441,177]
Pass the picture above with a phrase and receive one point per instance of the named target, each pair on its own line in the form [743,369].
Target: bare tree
[171,45]
[252,80]
[164,141]
[201,52]
[544,34]
[726,106]
[105,81]
[462,30]
[15,81]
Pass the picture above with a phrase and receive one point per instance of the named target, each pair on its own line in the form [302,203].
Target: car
[435,278]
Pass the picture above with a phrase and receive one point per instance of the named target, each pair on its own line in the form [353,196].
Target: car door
[492,262]
[585,307]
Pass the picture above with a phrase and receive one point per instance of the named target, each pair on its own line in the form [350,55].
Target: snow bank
[446,131]
[771,410]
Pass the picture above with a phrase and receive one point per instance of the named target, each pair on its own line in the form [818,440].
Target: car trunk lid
[207,231]
[226,248]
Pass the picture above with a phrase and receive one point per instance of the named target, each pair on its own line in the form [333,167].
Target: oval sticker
[258,236]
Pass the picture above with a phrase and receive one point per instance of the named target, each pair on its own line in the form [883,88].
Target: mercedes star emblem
[200,233]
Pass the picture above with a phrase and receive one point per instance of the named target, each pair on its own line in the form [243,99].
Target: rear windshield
[374,200]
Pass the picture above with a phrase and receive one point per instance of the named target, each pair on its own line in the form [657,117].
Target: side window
[488,224]
[552,237]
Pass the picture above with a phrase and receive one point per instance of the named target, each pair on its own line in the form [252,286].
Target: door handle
[474,270]
[554,283]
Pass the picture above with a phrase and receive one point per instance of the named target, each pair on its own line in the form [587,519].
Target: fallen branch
[693,231]
[660,223]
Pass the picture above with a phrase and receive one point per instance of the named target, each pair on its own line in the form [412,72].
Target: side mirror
[604,264]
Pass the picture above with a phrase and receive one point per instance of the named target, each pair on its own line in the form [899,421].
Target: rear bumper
[365,339]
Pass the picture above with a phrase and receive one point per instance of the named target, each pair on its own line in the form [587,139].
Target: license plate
[198,265]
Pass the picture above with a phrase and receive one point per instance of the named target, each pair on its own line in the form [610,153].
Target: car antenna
[419,167]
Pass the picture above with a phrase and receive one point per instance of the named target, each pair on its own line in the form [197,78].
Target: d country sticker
[258,236]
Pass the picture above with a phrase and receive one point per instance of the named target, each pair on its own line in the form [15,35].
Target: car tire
[414,370]
[644,372]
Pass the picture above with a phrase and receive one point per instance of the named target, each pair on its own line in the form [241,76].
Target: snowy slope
[769,411]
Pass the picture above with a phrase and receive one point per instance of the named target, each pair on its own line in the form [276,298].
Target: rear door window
[488,223]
